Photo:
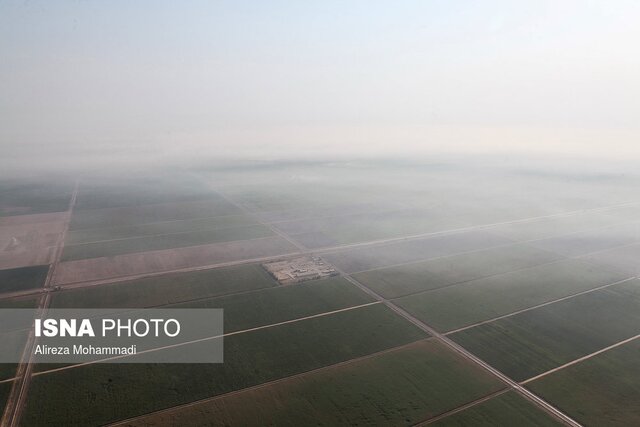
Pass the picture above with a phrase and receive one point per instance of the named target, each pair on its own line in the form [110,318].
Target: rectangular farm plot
[109,248]
[625,213]
[577,244]
[394,282]
[5,389]
[350,208]
[284,303]
[28,302]
[554,226]
[275,198]
[624,259]
[166,289]
[507,409]
[601,391]
[45,220]
[29,198]
[466,303]
[128,191]
[128,216]
[171,259]
[536,341]
[27,240]
[127,390]
[20,279]
[90,235]
[95,199]
[15,341]
[367,258]
[400,387]
[316,233]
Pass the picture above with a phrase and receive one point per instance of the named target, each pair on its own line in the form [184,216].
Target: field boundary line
[581,359]
[273,228]
[514,313]
[199,199]
[472,251]
[205,298]
[268,383]
[210,338]
[331,249]
[17,396]
[3,219]
[516,243]
[127,278]
[168,249]
[21,294]
[562,258]
[316,282]
[532,397]
[219,190]
[462,408]
[481,227]
[119,279]
[145,236]
[153,222]
[364,212]
[276,285]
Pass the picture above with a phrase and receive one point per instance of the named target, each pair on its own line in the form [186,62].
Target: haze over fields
[138,83]
[411,212]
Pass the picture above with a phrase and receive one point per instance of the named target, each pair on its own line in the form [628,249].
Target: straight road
[304,251]
[141,418]
[17,397]
[547,407]
[18,393]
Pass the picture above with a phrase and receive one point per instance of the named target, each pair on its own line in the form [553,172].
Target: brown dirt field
[29,239]
[170,259]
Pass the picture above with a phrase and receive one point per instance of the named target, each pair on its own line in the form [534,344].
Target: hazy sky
[303,76]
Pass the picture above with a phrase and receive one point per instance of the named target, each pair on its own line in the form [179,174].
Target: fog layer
[137,83]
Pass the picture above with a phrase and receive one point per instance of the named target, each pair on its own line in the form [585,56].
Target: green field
[549,227]
[16,341]
[478,300]
[361,228]
[7,370]
[75,237]
[139,190]
[20,279]
[508,409]
[394,282]
[603,391]
[128,216]
[401,387]
[324,352]
[107,392]
[591,241]
[167,289]
[5,389]
[282,303]
[33,197]
[530,343]
[413,250]
[165,241]
[267,197]
[30,302]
